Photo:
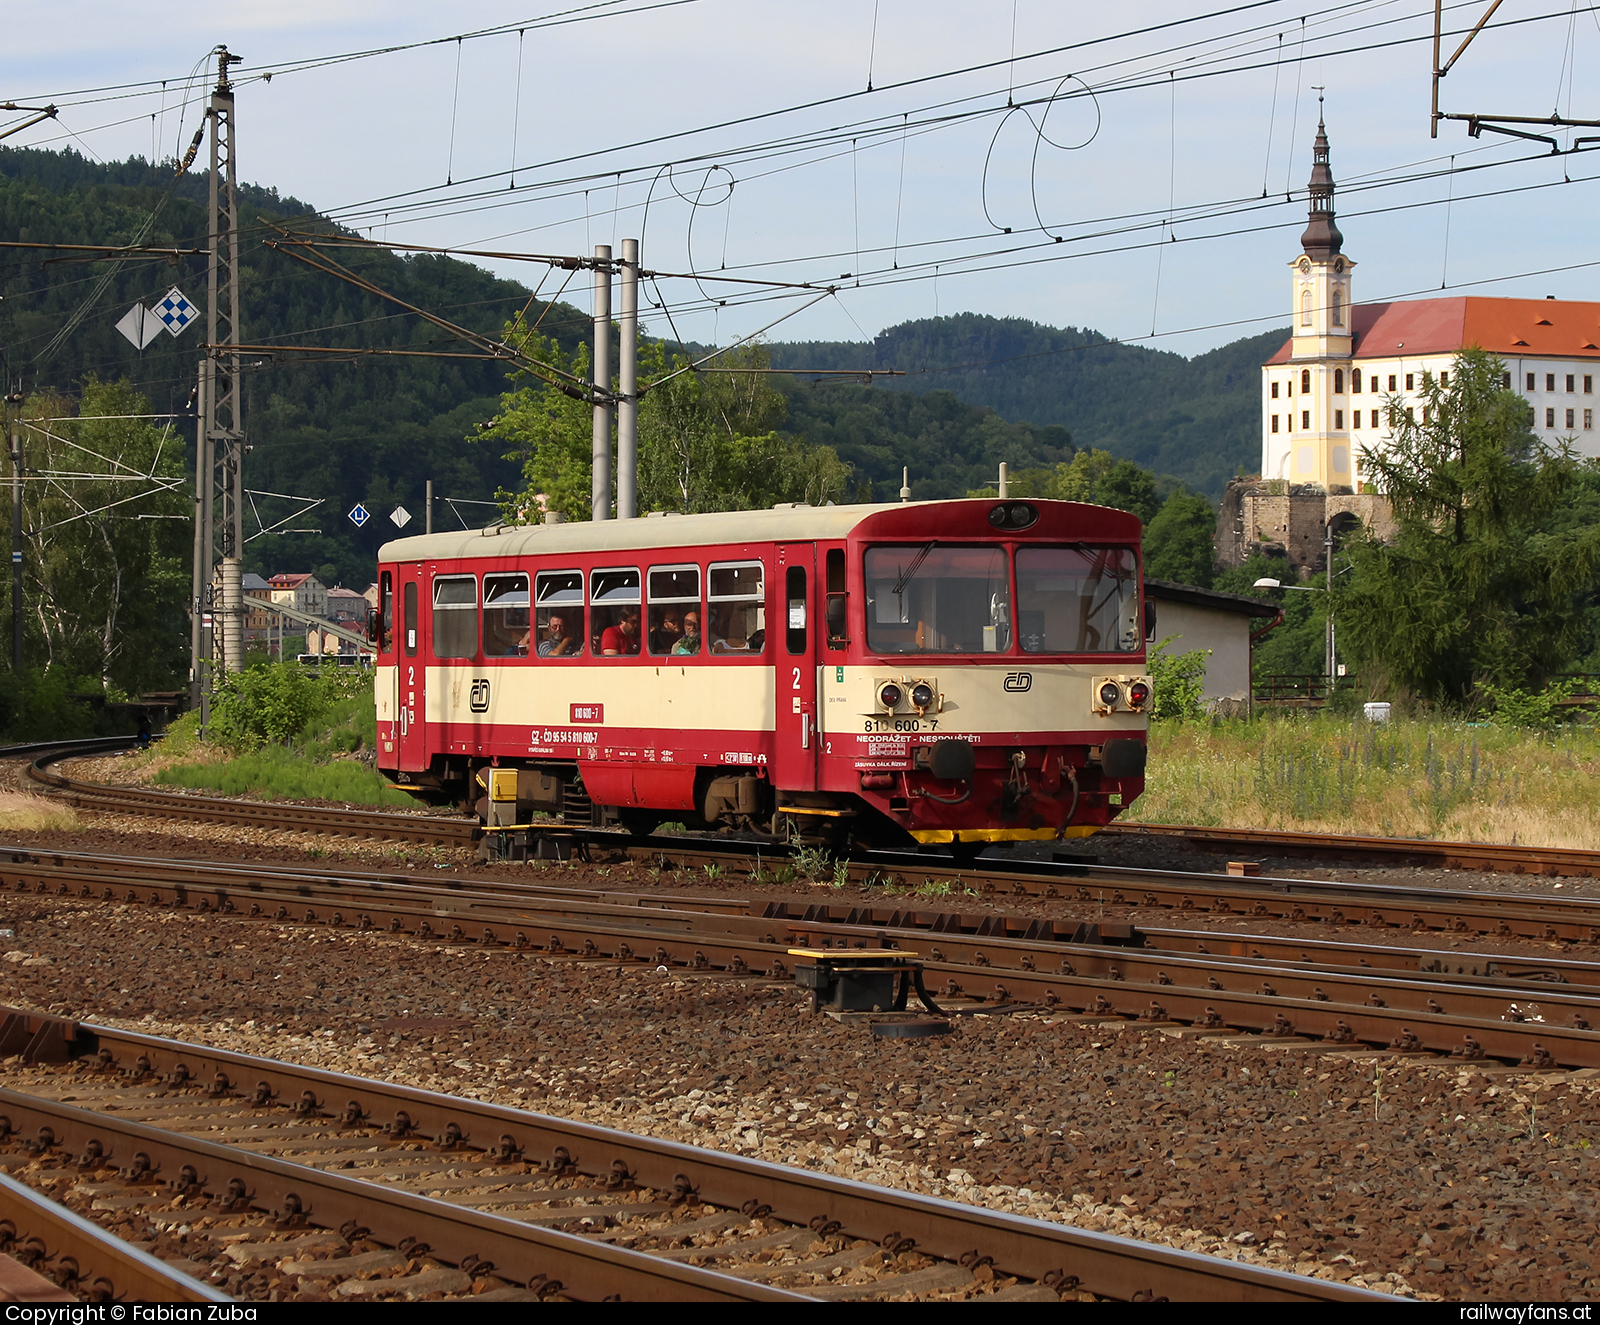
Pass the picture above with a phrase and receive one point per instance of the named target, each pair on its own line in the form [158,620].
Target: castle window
[1410,415]
[1274,390]
[1274,423]
[1411,381]
[1588,385]
[1338,308]
[1531,387]
[1305,381]
[1505,381]
[1572,421]
[1305,419]
[1444,379]
[1549,418]
[1338,420]
[1588,419]
[1374,418]
[1355,379]
[1391,382]
[1549,381]
[1572,383]
[1338,381]
[1305,308]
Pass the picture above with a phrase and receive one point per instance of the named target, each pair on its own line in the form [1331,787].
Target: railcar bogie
[952,673]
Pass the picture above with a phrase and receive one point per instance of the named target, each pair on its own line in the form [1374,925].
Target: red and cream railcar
[950,672]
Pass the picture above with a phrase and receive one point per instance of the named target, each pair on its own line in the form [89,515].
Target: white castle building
[1325,394]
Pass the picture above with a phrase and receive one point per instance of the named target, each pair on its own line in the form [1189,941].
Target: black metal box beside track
[853,989]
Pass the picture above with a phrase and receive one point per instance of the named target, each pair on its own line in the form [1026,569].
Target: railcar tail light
[922,696]
[1139,694]
[1110,693]
[890,695]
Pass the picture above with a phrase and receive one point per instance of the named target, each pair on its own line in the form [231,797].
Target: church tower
[1311,391]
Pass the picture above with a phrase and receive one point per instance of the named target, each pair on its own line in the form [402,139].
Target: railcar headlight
[1013,515]
[1139,694]
[1110,693]
[922,696]
[890,695]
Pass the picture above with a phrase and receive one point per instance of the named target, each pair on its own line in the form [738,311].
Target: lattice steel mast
[219,486]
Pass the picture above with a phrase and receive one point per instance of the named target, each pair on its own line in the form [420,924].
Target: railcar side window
[838,598]
[795,609]
[455,616]
[736,601]
[1078,600]
[674,612]
[933,599]
[505,616]
[386,613]
[558,613]
[614,603]
[411,618]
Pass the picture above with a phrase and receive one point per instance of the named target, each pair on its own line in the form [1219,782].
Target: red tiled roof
[289,581]
[1525,328]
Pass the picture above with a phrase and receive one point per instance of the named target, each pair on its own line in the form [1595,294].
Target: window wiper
[907,575]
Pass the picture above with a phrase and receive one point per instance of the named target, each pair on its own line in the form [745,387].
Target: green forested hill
[1197,419]
[371,430]
[375,429]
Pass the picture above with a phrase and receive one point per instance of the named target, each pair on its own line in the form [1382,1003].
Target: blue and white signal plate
[175,310]
[359,515]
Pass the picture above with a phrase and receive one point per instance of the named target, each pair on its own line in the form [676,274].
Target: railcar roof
[782,523]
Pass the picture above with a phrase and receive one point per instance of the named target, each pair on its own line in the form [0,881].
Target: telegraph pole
[14,400]
[600,454]
[628,386]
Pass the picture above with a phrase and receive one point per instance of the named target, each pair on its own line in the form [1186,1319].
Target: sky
[1095,166]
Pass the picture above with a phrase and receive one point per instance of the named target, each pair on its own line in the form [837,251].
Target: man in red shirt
[622,638]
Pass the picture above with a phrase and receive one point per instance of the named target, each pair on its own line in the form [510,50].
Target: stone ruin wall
[1273,516]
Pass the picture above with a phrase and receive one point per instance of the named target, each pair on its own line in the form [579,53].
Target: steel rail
[1490,856]
[1464,1015]
[88,1260]
[420,828]
[1419,987]
[1102,1264]
[1507,968]
[586,1269]
[75,872]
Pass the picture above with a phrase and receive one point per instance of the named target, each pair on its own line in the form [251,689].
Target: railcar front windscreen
[1077,600]
[933,599]
[942,598]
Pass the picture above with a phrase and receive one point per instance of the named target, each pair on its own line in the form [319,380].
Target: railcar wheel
[639,823]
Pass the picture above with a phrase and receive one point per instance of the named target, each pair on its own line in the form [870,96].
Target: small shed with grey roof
[1225,623]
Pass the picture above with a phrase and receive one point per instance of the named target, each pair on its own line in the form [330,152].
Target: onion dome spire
[1321,239]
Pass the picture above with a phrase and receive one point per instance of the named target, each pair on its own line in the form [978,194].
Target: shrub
[1178,682]
[1539,710]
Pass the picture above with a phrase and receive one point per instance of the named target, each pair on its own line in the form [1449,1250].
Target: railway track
[1544,919]
[1540,1014]
[445,831]
[531,1205]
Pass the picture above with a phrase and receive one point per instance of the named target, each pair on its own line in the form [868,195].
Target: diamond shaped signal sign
[359,515]
[175,310]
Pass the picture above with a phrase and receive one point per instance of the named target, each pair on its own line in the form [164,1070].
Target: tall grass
[22,813]
[274,773]
[1403,778]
